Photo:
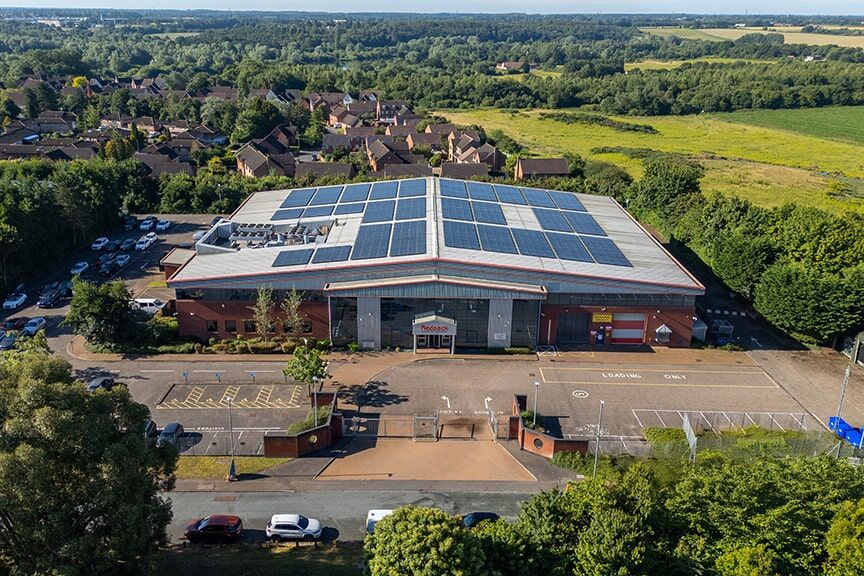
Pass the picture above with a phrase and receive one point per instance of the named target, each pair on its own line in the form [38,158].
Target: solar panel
[331,254]
[298,197]
[453,188]
[584,223]
[537,197]
[372,242]
[289,214]
[379,211]
[460,235]
[568,247]
[408,238]
[356,192]
[456,209]
[510,195]
[552,220]
[605,251]
[383,190]
[317,211]
[566,201]
[488,212]
[410,188]
[327,195]
[356,208]
[409,208]
[532,243]
[293,258]
[481,191]
[496,239]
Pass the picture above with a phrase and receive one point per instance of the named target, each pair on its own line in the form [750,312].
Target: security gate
[426,428]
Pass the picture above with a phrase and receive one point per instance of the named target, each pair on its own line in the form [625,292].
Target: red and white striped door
[628,328]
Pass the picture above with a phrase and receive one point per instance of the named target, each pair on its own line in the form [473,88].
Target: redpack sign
[435,328]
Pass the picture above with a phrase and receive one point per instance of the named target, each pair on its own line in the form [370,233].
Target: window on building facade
[212,326]
[230,325]
[307,327]
[249,326]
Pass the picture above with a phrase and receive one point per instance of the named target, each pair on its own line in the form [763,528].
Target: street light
[231,471]
[597,441]
[315,399]
[536,391]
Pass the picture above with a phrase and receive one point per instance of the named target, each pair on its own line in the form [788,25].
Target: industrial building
[442,264]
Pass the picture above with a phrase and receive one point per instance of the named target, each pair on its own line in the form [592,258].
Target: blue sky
[540,6]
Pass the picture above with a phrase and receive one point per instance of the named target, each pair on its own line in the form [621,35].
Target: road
[343,513]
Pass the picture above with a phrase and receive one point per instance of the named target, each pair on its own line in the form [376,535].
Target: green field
[834,122]
[672,64]
[768,166]
[533,73]
[791,35]
[215,467]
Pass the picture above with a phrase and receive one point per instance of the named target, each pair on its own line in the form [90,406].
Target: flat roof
[334,230]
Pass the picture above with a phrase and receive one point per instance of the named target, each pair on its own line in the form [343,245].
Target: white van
[375,516]
[149,305]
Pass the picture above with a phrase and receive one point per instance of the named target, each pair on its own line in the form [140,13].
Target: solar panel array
[474,220]
[351,199]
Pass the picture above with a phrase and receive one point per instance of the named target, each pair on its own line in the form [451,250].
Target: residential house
[463,171]
[442,130]
[340,116]
[381,154]
[360,131]
[207,135]
[390,110]
[328,100]
[407,170]
[159,164]
[513,66]
[255,162]
[226,93]
[433,141]
[540,167]
[330,142]
[363,109]
[307,170]
[23,135]
[403,130]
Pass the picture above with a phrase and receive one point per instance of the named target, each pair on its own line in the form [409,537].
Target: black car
[49,299]
[474,518]
[106,258]
[65,288]
[109,268]
[101,383]
[217,528]
[127,244]
[113,245]
[130,223]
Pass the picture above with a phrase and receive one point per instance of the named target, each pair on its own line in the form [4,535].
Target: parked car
[49,287]
[214,528]
[293,527]
[127,244]
[79,268]
[14,324]
[65,288]
[49,299]
[163,225]
[151,431]
[149,305]
[34,325]
[170,434]
[375,516]
[129,223]
[101,383]
[148,223]
[8,340]
[113,245]
[99,243]
[152,236]
[108,268]
[107,257]
[472,519]
[14,301]
[122,260]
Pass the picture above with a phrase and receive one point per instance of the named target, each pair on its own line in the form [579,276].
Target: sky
[491,6]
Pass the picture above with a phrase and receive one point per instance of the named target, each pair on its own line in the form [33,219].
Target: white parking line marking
[637,419]
[210,371]
[157,371]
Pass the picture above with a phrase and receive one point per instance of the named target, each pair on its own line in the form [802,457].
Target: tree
[291,313]
[757,560]
[80,489]
[423,542]
[306,366]
[262,312]
[256,119]
[505,548]
[613,543]
[103,314]
[740,261]
[845,552]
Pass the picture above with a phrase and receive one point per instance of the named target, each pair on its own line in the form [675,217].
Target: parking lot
[569,394]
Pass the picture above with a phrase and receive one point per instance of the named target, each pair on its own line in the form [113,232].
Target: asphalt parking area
[241,396]
[671,376]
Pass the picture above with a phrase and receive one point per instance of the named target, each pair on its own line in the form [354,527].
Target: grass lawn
[765,165]
[157,284]
[174,35]
[536,73]
[671,64]
[216,467]
[686,33]
[832,122]
[338,560]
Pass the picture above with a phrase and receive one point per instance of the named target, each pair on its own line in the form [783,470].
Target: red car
[214,529]
[14,324]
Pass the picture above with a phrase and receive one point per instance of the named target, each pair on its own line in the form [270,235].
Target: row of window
[251,327]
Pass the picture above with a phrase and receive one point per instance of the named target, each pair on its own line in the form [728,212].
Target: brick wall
[539,443]
[680,320]
[281,445]
[192,316]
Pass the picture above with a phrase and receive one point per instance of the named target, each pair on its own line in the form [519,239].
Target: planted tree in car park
[79,488]
[291,313]
[102,314]
[307,366]
[262,312]
[423,542]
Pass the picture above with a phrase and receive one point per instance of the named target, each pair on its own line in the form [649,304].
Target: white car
[151,236]
[163,225]
[14,301]
[34,325]
[293,527]
[375,516]
[79,268]
[145,242]
[123,260]
[99,243]
[147,223]
[149,305]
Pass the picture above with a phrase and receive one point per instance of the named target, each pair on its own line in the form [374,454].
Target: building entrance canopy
[433,331]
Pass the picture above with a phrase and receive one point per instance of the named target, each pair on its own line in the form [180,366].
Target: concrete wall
[193,315]
[500,322]
[680,320]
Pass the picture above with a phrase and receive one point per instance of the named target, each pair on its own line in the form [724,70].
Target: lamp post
[231,471]
[536,391]
[315,399]
[597,441]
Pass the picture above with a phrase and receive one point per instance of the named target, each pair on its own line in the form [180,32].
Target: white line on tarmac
[210,371]
[158,371]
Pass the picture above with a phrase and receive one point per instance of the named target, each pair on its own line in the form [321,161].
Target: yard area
[216,467]
[341,560]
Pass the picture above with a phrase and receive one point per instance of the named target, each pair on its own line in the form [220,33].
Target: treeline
[770,517]
[802,267]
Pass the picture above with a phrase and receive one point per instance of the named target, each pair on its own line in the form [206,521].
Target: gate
[426,428]
[379,427]
[493,425]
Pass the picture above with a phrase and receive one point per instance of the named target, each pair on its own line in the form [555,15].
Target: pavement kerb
[312,485]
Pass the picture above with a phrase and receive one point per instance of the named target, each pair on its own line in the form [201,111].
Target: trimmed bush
[309,422]
[518,350]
